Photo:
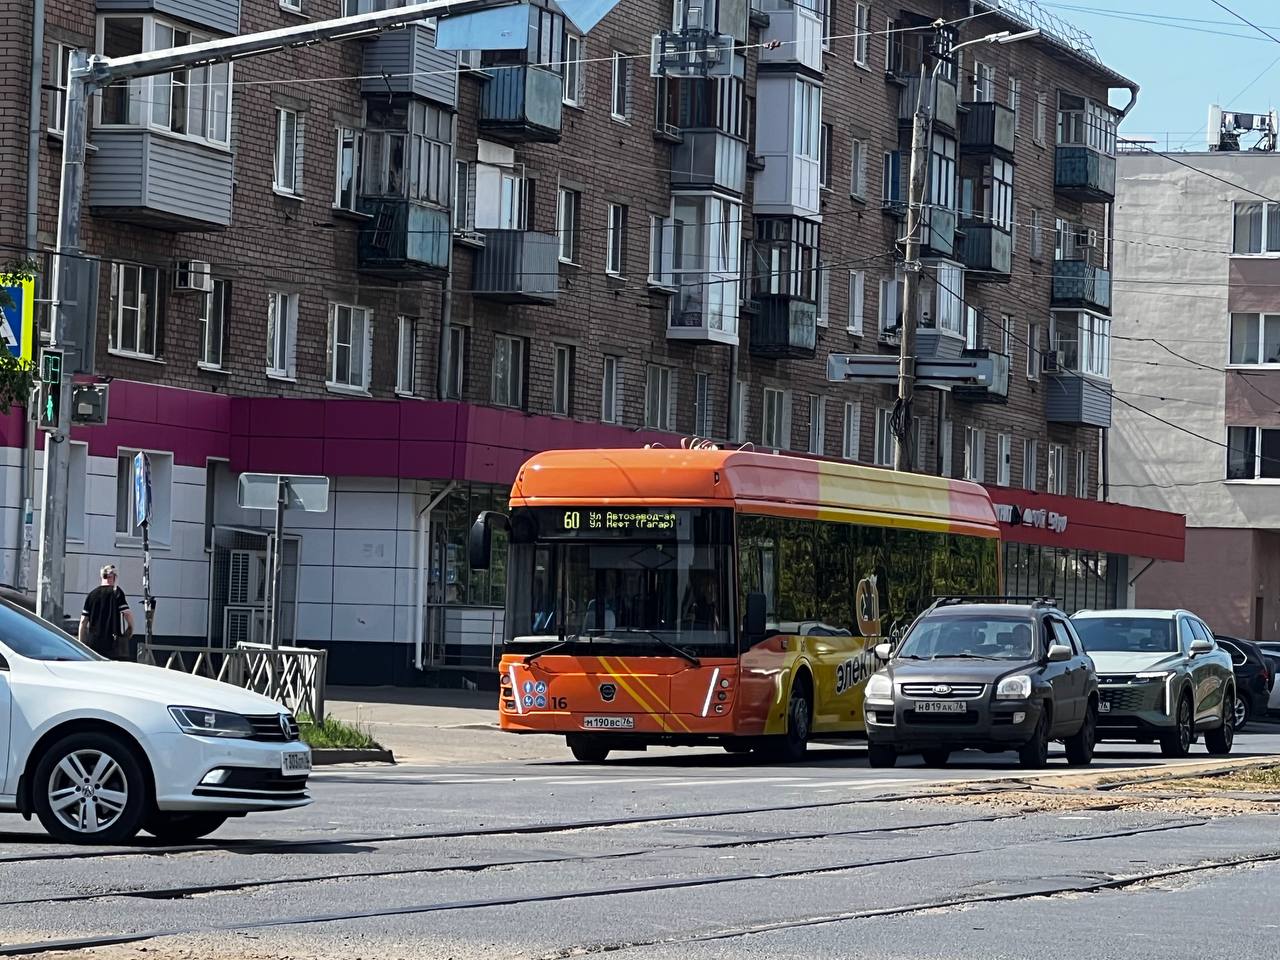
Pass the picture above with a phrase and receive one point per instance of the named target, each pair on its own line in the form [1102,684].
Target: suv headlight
[1017,687]
[879,687]
[1153,675]
[200,722]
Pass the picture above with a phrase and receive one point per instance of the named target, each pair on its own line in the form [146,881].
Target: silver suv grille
[956,691]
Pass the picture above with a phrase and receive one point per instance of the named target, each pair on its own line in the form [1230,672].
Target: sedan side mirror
[884,651]
[1059,652]
[1199,646]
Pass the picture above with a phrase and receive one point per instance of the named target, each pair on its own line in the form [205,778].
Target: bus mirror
[480,542]
[754,623]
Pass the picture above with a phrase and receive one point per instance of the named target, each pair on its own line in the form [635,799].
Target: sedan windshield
[29,636]
[970,637]
[1126,634]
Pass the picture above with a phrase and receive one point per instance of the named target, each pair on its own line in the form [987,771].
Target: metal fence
[293,676]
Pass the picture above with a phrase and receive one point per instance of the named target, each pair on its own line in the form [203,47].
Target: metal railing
[293,676]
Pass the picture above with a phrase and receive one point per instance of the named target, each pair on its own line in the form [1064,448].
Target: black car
[1253,678]
[989,675]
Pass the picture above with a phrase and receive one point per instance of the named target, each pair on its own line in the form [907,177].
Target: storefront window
[1077,579]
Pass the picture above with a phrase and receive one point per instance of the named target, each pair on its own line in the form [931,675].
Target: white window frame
[1004,459]
[568,209]
[817,424]
[857,301]
[287,176]
[407,356]
[975,454]
[882,455]
[659,408]
[892,301]
[1057,466]
[59,78]
[826,144]
[571,92]
[562,358]
[861,34]
[702,405]
[1256,474]
[948,298]
[1015,103]
[1259,344]
[1037,235]
[611,389]
[620,88]
[984,82]
[775,419]
[615,261]
[514,349]
[145,316]
[358,346]
[214,309]
[824,295]
[293,6]
[1030,456]
[1035,344]
[160,525]
[356,137]
[858,168]
[851,433]
[281,338]
[661,239]
[1082,474]
[1041,118]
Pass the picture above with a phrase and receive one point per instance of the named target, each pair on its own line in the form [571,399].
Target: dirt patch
[1047,801]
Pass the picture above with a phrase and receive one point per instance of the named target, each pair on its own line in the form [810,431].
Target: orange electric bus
[694,596]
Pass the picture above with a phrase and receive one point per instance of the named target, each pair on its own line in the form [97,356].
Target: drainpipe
[22,580]
[424,546]
[733,394]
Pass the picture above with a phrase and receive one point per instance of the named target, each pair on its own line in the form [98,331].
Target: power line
[1242,19]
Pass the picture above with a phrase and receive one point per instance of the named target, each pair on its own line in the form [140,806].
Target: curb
[327,756]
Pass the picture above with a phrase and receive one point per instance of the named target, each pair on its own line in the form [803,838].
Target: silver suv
[1161,675]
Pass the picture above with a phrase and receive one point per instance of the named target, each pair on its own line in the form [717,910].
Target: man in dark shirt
[106,623]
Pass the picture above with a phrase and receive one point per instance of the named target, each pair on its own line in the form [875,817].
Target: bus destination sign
[616,522]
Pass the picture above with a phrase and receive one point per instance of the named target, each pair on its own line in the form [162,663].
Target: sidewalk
[421,725]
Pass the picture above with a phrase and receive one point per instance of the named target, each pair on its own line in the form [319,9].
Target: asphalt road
[690,854]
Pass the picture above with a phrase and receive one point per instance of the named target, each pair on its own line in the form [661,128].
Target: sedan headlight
[879,687]
[1017,687]
[200,722]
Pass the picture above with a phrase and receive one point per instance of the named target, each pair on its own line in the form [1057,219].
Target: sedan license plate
[939,706]
[295,764]
[608,723]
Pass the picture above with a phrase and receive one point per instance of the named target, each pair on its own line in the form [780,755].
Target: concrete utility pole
[88,74]
[920,129]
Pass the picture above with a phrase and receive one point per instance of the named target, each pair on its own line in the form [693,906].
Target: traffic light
[50,407]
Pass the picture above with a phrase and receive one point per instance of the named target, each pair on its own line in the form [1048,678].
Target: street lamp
[911,264]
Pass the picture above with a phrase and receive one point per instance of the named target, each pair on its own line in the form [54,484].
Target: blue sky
[1177,52]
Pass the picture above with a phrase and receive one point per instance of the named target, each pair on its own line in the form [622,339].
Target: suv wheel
[1035,753]
[882,754]
[1080,745]
[1241,714]
[1177,743]
[1220,739]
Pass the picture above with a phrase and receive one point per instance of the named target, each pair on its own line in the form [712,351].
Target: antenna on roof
[1226,127]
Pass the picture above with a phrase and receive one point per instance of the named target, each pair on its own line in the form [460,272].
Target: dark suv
[970,673]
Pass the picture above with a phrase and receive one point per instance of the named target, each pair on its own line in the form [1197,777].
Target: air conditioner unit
[1049,361]
[193,275]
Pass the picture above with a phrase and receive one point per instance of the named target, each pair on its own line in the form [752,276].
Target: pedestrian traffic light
[51,366]
[50,407]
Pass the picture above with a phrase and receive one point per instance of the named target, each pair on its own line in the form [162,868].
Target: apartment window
[817,424]
[289,149]
[891,179]
[942,172]
[1015,103]
[975,454]
[59,74]
[1082,474]
[739,401]
[776,426]
[214,308]
[949,298]
[1034,348]
[823,295]
[1004,458]
[567,224]
[984,82]
[455,381]
[858,168]
[293,6]
[346,191]
[1257,228]
[657,397]
[857,296]
[611,390]
[824,156]
[999,198]
[944,449]
[1064,239]
[620,103]
[464,196]
[562,380]
[1086,122]
[1057,482]
[282,327]
[407,356]
[851,434]
[1255,338]
[861,35]
[1037,250]
[1082,341]
[502,197]
[350,347]
[1042,112]
[661,242]
[160,526]
[1030,448]
[573,66]
[972,327]
[702,405]
[808,121]
[1006,334]
[892,297]
[194,102]
[135,299]
[616,240]
[883,453]
[408,152]
[1015,227]
[508,371]
[828,9]
[1253,453]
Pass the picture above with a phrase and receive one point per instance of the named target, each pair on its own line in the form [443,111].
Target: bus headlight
[879,687]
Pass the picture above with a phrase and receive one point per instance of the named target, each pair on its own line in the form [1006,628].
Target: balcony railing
[518,266]
[404,240]
[943,107]
[987,250]
[988,128]
[1078,283]
[522,104]
[784,327]
[160,181]
[1085,174]
[708,158]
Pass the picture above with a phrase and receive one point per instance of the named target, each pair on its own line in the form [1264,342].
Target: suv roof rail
[949,599]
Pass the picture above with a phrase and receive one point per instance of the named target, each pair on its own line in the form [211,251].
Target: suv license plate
[608,723]
[939,706]
[295,764]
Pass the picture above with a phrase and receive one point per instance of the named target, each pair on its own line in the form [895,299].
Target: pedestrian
[106,622]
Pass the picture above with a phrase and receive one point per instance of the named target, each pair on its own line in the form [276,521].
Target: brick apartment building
[633,258]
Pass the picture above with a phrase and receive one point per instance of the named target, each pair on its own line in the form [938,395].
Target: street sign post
[142,518]
[281,492]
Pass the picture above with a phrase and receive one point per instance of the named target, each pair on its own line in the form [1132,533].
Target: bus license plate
[295,764]
[939,706]
[608,723]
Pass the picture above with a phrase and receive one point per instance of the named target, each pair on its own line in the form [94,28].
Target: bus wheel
[587,749]
[737,746]
[791,746]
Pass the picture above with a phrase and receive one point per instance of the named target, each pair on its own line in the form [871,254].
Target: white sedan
[99,750]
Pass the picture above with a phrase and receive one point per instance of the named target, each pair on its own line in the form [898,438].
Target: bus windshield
[640,578]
